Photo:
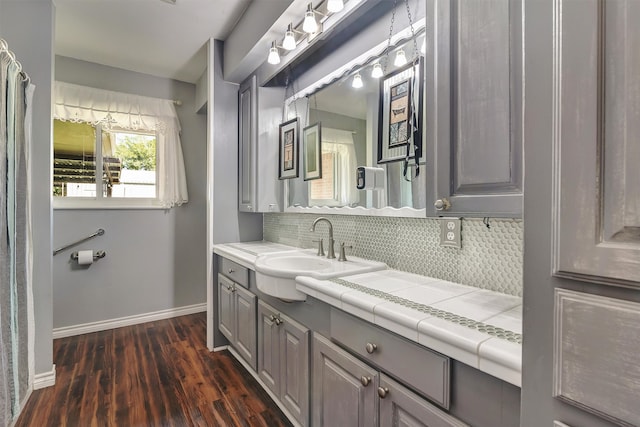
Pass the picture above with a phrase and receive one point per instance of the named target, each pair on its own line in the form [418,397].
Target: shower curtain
[16,305]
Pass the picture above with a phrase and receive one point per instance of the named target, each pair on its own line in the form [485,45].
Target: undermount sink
[276,272]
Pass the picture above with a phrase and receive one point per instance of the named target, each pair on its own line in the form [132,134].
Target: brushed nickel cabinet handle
[365,380]
[382,392]
[442,204]
[370,347]
[231,270]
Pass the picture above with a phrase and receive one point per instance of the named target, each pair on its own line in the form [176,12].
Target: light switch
[450,229]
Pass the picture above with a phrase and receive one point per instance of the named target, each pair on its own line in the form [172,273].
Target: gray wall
[228,225]
[27,26]
[155,258]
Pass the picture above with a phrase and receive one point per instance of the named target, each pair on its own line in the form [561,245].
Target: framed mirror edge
[404,212]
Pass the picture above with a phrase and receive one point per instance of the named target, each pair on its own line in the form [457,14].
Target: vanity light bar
[309,27]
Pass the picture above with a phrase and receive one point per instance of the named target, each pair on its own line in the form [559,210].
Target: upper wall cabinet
[474,107]
[596,116]
[260,113]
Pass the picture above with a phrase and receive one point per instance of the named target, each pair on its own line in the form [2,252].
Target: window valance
[133,112]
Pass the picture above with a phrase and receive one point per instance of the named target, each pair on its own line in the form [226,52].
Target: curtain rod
[4,47]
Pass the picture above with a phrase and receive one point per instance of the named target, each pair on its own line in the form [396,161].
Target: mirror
[351,146]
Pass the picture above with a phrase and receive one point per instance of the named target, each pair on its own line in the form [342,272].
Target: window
[114,149]
[93,162]
[337,187]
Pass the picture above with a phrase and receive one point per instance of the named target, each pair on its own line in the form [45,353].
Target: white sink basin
[276,272]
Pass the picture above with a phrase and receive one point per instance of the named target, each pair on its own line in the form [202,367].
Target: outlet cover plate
[450,231]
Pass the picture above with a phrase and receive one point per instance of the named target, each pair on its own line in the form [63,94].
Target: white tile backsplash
[490,258]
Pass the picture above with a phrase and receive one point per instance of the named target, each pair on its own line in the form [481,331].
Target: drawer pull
[370,347]
[365,380]
[231,271]
[382,392]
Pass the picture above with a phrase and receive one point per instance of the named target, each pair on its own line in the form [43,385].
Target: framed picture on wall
[288,157]
[312,152]
[400,121]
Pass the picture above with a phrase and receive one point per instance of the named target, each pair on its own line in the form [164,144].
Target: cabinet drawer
[423,369]
[235,272]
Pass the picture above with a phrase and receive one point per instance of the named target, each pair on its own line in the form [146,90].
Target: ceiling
[147,36]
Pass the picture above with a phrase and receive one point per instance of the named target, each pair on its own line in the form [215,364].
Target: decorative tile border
[490,258]
[435,312]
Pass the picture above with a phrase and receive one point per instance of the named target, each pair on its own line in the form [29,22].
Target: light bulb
[357,81]
[310,25]
[274,55]
[334,6]
[423,48]
[289,41]
[401,59]
[377,72]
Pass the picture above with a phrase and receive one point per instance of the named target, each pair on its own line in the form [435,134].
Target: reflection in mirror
[349,119]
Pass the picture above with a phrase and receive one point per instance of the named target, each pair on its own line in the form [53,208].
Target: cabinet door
[247,156]
[474,125]
[400,407]
[225,307]
[294,368]
[268,348]
[597,117]
[245,323]
[344,388]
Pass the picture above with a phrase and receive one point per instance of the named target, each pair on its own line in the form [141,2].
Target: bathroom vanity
[380,347]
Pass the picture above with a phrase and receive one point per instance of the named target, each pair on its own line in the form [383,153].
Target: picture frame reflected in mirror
[312,152]
[288,150]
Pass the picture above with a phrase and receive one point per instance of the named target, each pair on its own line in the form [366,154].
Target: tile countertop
[474,326]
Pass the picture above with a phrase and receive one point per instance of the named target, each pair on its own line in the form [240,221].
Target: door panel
[340,397]
[474,123]
[403,408]
[245,342]
[597,115]
[294,368]
[225,307]
[268,348]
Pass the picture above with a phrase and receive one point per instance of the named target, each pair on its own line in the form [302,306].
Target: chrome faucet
[330,251]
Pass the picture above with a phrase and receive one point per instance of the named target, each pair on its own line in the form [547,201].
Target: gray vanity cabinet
[259,116]
[344,388]
[283,360]
[349,392]
[237,317]
[474,107]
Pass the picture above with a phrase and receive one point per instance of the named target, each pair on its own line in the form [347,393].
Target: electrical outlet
[450,230]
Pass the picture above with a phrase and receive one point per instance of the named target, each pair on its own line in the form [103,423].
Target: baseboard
[221,348]
[104,325]
[44,379]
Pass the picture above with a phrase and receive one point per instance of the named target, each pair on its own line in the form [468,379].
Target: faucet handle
[343,255]
[320,247]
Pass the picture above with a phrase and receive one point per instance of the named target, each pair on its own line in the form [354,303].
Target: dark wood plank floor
[154,374]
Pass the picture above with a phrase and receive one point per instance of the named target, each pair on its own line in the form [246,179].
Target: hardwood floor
[153,374]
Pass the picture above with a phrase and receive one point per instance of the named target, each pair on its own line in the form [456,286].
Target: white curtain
[16,298]
[340,143]
[89,105]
